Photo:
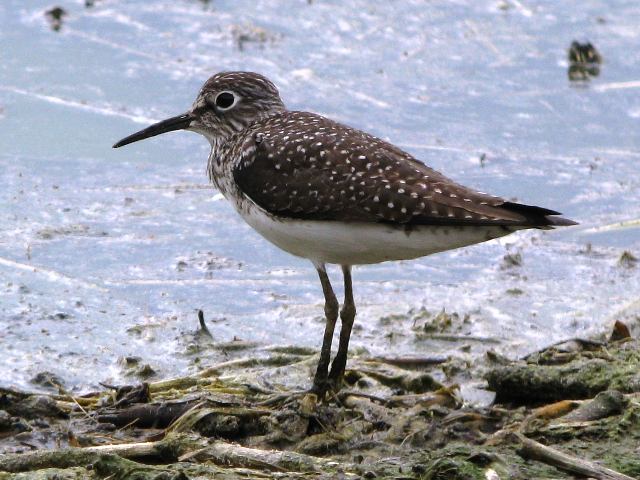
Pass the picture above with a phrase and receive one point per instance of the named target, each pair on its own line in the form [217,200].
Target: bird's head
[227,103]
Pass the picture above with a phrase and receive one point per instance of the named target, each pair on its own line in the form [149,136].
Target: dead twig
[229,454]
[203,326]
[147,415]
[412,362]
[533,450]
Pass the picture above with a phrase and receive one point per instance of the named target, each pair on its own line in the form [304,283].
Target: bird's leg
[331,306]
[347,315]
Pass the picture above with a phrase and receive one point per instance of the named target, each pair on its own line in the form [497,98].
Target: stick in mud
[536,451]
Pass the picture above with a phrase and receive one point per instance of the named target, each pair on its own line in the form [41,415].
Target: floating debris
[445,322]
[206,262]
[511,260]
[627,260]
[584,53]
[620,331]
[584,61]
[55,17]
[48,380]
[514,291]
[203,326]
[243,34]
[133,367]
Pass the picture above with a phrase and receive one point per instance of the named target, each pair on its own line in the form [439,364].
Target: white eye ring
[225,100]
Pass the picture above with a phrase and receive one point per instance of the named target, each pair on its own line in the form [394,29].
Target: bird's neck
[226,149]
[221,160]
[216,158]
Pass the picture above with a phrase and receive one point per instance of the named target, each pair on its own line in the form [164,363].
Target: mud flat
[570,411]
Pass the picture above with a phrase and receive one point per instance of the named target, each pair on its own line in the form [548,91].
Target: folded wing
[304,166]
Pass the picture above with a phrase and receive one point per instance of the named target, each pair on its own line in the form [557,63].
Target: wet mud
[391,419]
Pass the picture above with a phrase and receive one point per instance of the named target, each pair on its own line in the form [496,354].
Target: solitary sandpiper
[333,194]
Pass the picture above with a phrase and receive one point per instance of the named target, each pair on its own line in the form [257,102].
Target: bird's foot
[318,393]
[283,398]
[327,390]
[324,390]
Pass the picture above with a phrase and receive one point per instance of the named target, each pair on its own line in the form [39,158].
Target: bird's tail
[555,221]
[538,216]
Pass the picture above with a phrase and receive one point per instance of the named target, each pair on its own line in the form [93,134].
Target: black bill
[169,125]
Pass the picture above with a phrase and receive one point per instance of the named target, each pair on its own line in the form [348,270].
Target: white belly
[363,243]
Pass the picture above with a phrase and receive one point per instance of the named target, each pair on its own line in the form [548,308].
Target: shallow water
[108,253]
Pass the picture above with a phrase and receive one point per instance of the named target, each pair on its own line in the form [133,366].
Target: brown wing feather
[302,165]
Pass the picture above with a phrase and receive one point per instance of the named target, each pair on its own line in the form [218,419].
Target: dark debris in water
[252,34]
[620,331]
[55,16]
[628,260]
[584,61]
[48,380]
[584,53]
[511,260]
[204,330]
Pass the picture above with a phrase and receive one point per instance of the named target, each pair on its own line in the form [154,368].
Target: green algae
[583,375]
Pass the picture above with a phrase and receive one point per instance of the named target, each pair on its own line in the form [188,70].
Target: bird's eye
[225,100]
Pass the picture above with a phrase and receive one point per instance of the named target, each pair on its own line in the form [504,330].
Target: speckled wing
[301,165]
